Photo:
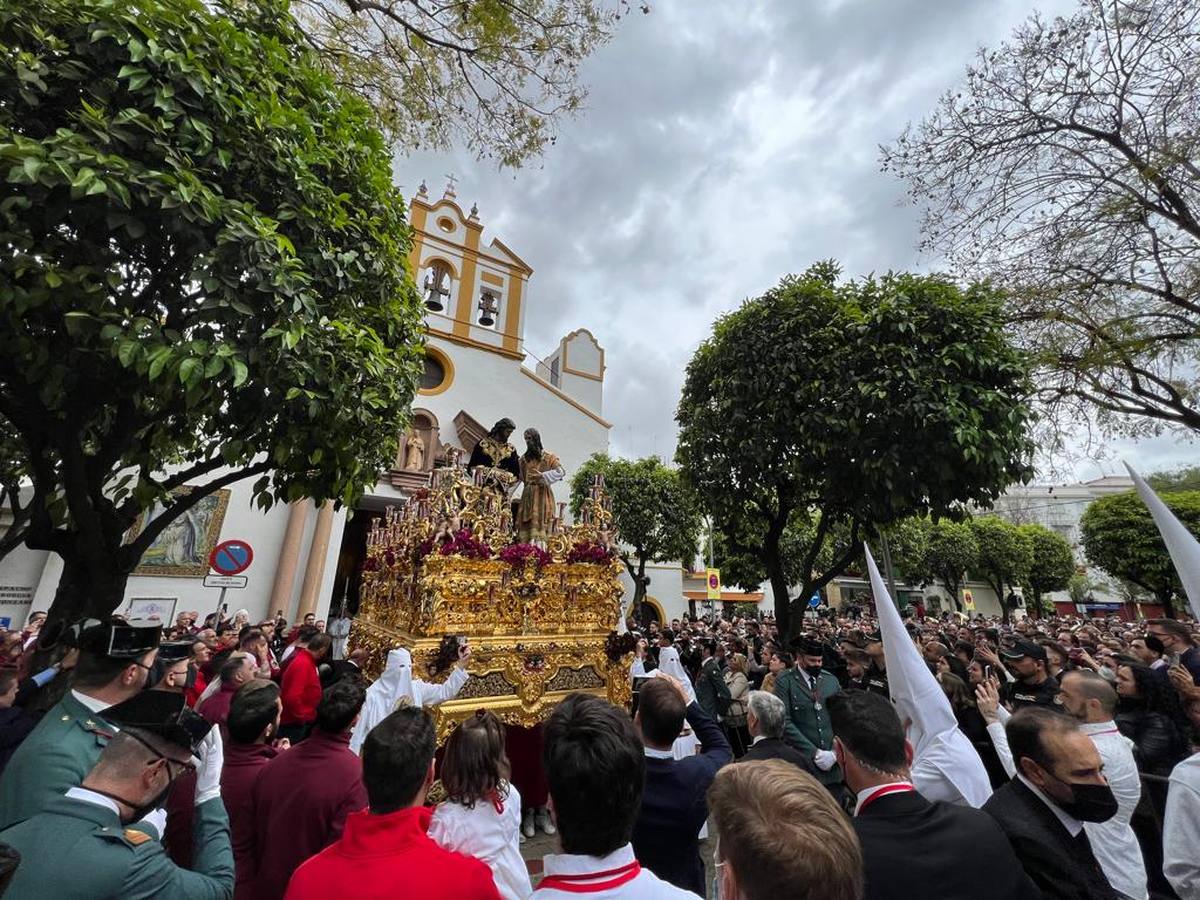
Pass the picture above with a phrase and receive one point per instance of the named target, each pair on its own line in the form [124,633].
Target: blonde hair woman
[735,719]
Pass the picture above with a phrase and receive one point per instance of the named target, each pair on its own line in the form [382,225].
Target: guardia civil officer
[114,665]
[81,845]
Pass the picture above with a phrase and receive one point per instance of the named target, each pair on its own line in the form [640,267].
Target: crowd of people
[257,760]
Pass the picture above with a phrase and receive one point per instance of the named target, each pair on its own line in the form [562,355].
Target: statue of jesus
[540,469]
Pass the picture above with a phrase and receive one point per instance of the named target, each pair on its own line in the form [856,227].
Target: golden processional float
[539,619]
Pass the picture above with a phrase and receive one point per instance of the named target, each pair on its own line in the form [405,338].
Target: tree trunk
[87,591]
[779,587]
[1167,604]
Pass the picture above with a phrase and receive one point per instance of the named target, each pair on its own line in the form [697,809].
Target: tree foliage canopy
[1065,169]
[1051,562]
[1005,555]
[1119,535]
[655,513]
[205,273]
[495,74]
[854,404]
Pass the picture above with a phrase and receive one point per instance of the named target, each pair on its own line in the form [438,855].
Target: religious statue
[495,459]
[414,453]
[448,527]
[540,469]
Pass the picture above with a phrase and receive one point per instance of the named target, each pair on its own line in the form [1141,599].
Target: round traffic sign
[814,601]
[231,557]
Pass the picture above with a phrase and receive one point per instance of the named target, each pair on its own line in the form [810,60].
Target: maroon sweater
[243,764]
[301,799]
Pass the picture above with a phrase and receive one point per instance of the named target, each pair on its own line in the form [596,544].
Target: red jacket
[300,689]
[301,799]
[383,857]
[243,764]
[192,694]
[216,708]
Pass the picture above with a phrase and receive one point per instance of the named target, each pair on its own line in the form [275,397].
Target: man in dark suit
[912,847]
[765,715]
[709,681]
[1058,787]
[674,809]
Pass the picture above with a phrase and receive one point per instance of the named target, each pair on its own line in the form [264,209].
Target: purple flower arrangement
[518,554]
[589,552]
[466,544]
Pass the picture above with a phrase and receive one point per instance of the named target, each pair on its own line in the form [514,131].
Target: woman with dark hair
[481,815]
[972,724]
[1148,713]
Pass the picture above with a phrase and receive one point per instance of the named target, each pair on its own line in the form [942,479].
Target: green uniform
[77,850]
[55,756]
[807,723]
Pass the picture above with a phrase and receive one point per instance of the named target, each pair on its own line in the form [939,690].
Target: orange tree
[840,407]
[203,279]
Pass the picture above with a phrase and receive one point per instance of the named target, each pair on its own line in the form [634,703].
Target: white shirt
[83,794]
[1181,828]
[1069,822]
[876,789]
[490,836]
[1114,843]
[94,705]
[643,886]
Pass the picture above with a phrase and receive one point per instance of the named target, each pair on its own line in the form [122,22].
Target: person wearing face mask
[81,843]
[173,668]
[891,817]
[115,662]
[1058,787]
[1087,697]
[805,692]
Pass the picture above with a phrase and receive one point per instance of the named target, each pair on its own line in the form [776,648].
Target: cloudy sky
[723,146]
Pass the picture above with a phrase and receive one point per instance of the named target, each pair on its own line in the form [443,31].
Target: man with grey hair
[765,715]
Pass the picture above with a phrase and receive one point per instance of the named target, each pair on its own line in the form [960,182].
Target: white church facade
[477,370]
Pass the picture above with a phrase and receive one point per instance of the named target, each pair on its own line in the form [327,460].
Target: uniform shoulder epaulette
[135,837]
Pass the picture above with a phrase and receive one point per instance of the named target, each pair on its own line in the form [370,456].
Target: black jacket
[1063,866]
[913,848]
[1158,743]
[777,748]
[674,806]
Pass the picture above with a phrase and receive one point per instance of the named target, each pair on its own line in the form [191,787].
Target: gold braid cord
[537,623]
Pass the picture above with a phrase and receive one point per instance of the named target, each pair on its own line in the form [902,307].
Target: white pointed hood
[945,764]
[1181,543]
[669,664]
[394,685]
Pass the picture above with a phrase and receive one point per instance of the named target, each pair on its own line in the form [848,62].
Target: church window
[554,379]
[434,374]
[446,224]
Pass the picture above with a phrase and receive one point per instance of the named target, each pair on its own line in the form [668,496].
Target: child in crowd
[481,816]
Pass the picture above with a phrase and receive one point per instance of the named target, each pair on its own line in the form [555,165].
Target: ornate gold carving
[537,632]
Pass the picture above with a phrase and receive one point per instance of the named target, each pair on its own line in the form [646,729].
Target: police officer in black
[876,680]
[1034,686]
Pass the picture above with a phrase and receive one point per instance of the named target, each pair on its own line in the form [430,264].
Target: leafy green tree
[1062,167]
[656,515]
[1184,478]
[1005,555]
[1051,564]
[951,551]
[204,279]
[852,404]
[1119,535]
[496,74]
[908,543]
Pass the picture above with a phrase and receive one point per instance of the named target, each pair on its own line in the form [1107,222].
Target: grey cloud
[723,146]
